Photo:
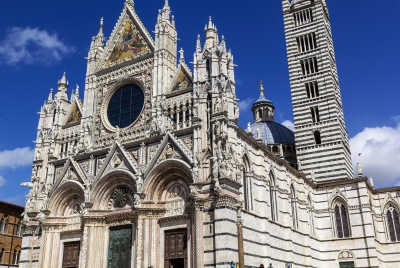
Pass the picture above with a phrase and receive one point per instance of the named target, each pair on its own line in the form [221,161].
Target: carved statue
[236,111]
[371,182]
[298,164]
[136,200]
[359,169]
[117,160]
[313,176]
[248,129]
[218,107]
[225,103]
[217,129]
[38,154]
[169,152]
[222,170]
[193,191]
[195,109]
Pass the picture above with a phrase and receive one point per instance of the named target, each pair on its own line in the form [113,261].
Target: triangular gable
[117,149]
[129,39]
[75,114]
[177,147]
[182,79]
[77,172]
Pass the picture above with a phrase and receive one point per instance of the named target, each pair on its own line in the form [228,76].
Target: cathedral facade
[152,169]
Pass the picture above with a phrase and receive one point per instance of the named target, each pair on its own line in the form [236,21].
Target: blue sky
[39,40]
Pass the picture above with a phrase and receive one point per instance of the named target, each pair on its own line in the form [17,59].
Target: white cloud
[31,45]
[244,105]
[2,181]
[289,124]
[16,158]
[380,153]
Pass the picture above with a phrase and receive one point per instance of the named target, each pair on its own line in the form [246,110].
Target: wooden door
[71,255]
[175,247]
[120,247]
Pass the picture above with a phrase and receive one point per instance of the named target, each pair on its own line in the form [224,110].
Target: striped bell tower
[322,143]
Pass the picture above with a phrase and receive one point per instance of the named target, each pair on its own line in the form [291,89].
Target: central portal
[176,249]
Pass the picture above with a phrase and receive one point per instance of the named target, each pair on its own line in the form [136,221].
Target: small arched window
[393,224]
[342,222]
[294,207]
[2,226]
[317,137]
[1,255]
[5,229]
[19,229]
[272,196]
[310,215]
[15,260]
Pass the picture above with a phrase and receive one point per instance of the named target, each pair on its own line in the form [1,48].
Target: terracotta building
[10,234]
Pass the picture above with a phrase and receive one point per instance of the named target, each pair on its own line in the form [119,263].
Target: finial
[101,22]
[210,24]
[166,3]
[261,86]
[77,90]
[198,45]
[173,21]
[50,94]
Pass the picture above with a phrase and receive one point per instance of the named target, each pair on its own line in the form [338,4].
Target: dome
[272,133]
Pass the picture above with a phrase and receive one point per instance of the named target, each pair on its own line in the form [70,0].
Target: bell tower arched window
[393,223]
[342,221]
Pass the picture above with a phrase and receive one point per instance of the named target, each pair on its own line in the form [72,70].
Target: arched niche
[168,186]
[115,190]
[66,200]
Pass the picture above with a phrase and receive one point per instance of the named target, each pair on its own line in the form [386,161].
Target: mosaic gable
[129,44]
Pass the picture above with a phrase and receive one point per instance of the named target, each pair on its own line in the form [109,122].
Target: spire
[263,109]
[173,21]
[62,88]
[210,24]
[129,3]
[77,90]
[211,34]
[198,45]
[182,57]
[63,81]
[261,87]
[50,95]
[99,39]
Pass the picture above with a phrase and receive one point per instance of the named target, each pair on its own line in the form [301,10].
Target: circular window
[125,105]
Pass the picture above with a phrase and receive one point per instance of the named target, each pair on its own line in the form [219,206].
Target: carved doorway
[120,247]
[71,255]
[176,249]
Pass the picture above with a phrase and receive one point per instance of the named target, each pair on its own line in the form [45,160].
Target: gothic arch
[69,193]
[247,163]
[335,195]
[119,181]
[341,218]
[105,179]
[163,178]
